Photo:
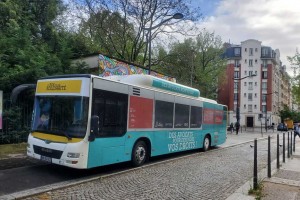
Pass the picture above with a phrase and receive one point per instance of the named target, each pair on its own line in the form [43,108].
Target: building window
[250,86]
[245,83]
[255,49]
[255,83]
[245,60]
[255,106]
[264,74]
[265,63]
[236,63]
[245,72]
[255,95]
[237,51]
[250,108]
[250,97]
[255,72]
[236,74]
[264,52]
[250,51]
[250,63]
[235,85]
[264,98]
[264,86]
[245,49]
[245,94]
[250,73]
[255,61]
[244,106]
[263,108]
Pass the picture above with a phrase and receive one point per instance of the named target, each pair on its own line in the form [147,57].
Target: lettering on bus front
[181,140]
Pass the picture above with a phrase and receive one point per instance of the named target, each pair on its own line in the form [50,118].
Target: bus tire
[139,154]
[206,143]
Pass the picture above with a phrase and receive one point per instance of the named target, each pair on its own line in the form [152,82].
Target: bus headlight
[73,155]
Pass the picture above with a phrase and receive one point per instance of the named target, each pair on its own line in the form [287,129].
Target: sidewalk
[284,182]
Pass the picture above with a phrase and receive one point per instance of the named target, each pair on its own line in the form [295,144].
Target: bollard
[294,146]
[269,156]
[278,151]
[291,146]
[255,184]
[283,149]
[288,147]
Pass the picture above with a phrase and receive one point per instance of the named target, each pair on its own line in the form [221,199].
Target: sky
[276,23]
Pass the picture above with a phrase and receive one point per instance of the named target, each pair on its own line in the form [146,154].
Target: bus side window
[163,114]
[111,108]
[196,117]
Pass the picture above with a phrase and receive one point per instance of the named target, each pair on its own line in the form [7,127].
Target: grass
[8,149]
[258,193]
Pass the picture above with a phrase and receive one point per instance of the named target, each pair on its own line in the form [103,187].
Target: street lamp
[237,104]
[175,16]
[266,127]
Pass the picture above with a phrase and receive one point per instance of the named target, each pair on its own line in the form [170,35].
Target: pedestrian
[297,130]
[237,127]
[231,127]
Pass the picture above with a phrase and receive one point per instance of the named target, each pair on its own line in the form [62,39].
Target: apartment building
[256,86]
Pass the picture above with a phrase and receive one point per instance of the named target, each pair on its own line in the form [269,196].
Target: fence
[16,118]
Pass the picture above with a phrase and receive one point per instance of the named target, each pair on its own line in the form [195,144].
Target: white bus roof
[151,81]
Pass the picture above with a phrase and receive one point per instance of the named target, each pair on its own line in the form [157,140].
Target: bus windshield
[61,115]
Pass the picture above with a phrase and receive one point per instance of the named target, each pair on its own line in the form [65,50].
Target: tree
[126,38]
[295,61]
[196,62]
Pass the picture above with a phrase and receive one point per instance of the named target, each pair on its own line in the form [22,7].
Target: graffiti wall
[109,67]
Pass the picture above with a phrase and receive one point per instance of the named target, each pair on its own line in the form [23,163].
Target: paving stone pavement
[210,175]
[285,182]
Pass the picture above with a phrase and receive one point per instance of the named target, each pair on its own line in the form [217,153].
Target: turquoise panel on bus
[105,151]
[173,87]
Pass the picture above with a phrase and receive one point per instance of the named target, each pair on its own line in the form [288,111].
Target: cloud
[274,22]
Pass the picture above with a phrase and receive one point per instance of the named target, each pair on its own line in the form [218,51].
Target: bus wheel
[139,154]
[206,143]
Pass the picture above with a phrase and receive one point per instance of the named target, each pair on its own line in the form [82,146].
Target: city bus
[85,121]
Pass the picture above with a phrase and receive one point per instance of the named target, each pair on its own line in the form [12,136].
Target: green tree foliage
[121,28]
[295,61]
[31,47]
[197,63]
[287,113]
[110,33]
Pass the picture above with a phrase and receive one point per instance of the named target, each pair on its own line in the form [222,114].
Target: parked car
[282,127]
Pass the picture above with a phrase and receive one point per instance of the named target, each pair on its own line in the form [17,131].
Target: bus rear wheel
[206,143]
[139,154]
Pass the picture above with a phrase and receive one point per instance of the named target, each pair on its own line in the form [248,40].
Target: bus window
[111,108]
[61,115]
[196,117]
[181,116]
[163,114]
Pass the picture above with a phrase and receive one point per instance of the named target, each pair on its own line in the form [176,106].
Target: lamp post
[266,116]
[175,16]
[237,98]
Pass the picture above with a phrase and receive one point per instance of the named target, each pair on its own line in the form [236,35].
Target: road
[211,175]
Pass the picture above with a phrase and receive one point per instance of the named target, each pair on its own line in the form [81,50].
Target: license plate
[46,159]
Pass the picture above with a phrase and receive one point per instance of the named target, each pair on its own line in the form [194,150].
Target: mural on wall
[110,67]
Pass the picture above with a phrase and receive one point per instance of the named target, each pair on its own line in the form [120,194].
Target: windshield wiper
[67,135]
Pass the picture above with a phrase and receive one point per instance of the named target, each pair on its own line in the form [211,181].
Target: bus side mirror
[94,128]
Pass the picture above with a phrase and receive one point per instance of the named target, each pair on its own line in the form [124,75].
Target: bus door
[111,109]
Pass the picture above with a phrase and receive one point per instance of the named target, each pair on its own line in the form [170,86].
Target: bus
[85,121]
